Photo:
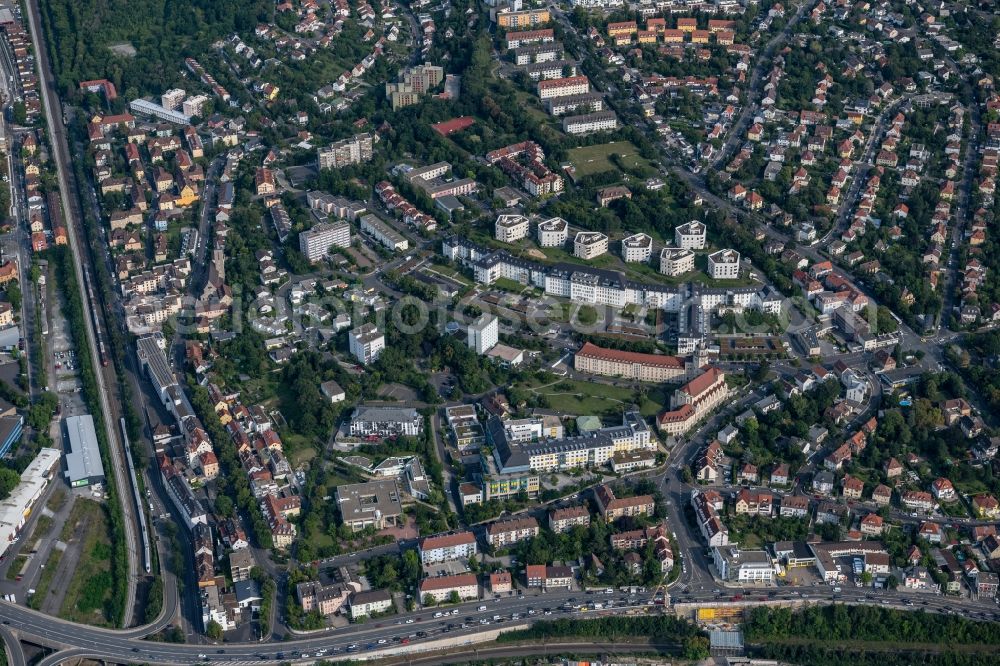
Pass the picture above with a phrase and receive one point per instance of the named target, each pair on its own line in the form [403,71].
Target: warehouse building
[83,460]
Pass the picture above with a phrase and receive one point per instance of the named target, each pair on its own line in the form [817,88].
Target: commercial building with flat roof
[83,460]
[14,510]
[385,421]
[373,504]
[153,109]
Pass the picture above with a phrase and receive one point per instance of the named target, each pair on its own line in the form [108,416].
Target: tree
[214,630]
[14,295]
[8,481]
[429,600]
[454,597]
[892,582]
[696,647]
[224,506]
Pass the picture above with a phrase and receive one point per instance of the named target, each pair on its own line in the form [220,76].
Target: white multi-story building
[743,566]
[599,121]
[586,285]
[353,150]
[553,232]
[383,233]
[192,105]
[572,85]
[690,236]
[724,265]
[441,588]
[637,247]
[315,243]
[366,343]
[676,261]
[590,244]
[447,547]
[484,333]
[385,421]
[511,228]
[172,98]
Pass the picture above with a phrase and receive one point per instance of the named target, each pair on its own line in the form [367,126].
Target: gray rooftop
[359,501]
[83,461]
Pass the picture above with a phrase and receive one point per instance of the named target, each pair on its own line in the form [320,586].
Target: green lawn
[606,260]
[589,160]
[507,284]
[582,398]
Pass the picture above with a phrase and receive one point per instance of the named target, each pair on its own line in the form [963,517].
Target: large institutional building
[590,450]
[692,401]
[630,365]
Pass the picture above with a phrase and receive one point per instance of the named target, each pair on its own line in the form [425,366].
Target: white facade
[383,233]
[637,247]
[724,265]
[690,236]
[743,566]
[590,244]
[172,98]
[574,85]
[553,232]
[366,343]
[192,105]
[315,243]
[484,333]
[511,228]
[600,121]
[446,548]
[676,261]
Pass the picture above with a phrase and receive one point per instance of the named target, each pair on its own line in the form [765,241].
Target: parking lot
[62,361]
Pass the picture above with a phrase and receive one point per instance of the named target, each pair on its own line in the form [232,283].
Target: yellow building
[529,17]
[187,196]
[624,28]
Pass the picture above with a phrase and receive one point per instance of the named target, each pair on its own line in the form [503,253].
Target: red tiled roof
[448,582]
[446,540]
[702,382]
[590,350]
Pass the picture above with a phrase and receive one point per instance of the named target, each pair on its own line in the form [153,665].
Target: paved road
[756,80]
[121,645]
[862,166]
[961,210]
[12,648]
[77,244]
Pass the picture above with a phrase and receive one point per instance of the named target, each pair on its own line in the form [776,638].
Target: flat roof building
[17,507]
[153,109]
[375,504]
[315,243]
[83,460]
